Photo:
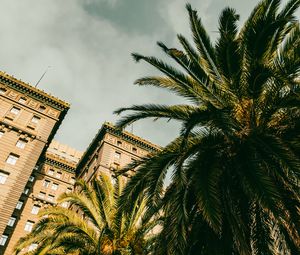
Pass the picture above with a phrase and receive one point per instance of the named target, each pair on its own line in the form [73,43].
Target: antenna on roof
[42,76]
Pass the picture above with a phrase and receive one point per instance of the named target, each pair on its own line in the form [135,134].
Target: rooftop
[36,93]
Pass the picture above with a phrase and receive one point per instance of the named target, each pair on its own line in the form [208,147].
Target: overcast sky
[87,44]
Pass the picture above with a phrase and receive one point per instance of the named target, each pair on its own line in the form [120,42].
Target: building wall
[31,117]
[58,167]
[113,151]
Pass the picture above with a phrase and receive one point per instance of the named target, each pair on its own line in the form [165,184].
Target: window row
[133,149]
[54,186]
[15,111]
[4,176]
[58,175]
[22,100]
[42,195]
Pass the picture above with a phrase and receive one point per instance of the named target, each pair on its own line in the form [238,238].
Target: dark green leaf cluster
[235,186]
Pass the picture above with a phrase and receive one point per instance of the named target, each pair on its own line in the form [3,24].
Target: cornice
[60,163]
[109,128]
[33,92]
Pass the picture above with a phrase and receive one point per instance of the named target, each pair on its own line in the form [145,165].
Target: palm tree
[93,225]
[235,166]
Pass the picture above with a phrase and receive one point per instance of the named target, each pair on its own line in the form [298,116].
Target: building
[110,150]
[53,176]
[29,118]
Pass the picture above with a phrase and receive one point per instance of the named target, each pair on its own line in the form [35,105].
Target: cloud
[88,43]
[89,57]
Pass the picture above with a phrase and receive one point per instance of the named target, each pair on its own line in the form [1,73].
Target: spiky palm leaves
[93,225]
[235,167]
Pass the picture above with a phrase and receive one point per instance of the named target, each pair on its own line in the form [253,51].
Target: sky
[87,45]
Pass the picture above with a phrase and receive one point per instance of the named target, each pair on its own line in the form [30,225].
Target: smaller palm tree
[93,224]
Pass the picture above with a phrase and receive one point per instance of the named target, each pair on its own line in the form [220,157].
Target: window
[2,91]
[3,240]
[134,150]
[22,100]
[26,190]
[28,226]
[64,204]
[50,172]
[1,133]
[117,155]
[42,108]
[50,198]
[72,180]
[31,178]
[54,186]
[32,247]
[15,110]
[58,175]
[35,209]
[11,221]
[69,190]
[119,143]
[46,183]
[42,194]
[19,205]
[21,143]
[116,165]
[12,159]
[3,177]
[35,119]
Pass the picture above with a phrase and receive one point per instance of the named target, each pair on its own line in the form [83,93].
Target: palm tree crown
[235,166]
[93,225]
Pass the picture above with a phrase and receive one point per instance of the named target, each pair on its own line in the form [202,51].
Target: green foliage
[235,184]
[92,224]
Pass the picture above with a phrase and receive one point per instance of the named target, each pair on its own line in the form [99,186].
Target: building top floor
[8,82]
[114,141]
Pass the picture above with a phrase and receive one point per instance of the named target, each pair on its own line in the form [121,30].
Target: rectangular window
[51,198]
[31,178]
[134,150]
[12,159]
[3,240]
[21,143]
[3,177]
[64,204]
[28,226]
[35,209]
[1,133]
[42,194]
[54,186]
[11,221]
[46,183]
[26,190]
[42,108]
[35,119]
[22,100]
[19,205]
[32,247]
[50,172]
[15,110]
[2,91]
[72,181]
[119,143]
[58,175]
[117,155]
[69,190]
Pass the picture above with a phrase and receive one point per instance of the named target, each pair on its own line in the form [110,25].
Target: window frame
[12,159]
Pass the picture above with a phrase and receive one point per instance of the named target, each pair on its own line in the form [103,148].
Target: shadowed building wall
[29,118]
[53,176]
[112,149]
